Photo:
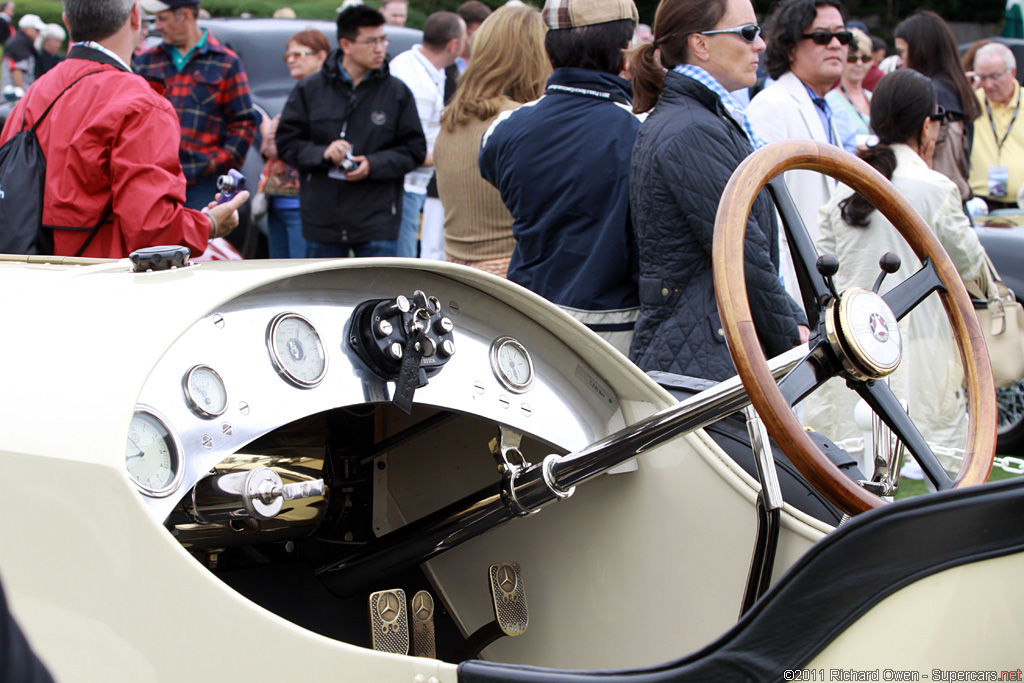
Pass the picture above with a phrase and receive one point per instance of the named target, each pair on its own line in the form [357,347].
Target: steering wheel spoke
[884,403]
[908,294]
[860,328]
[805,256]
[815,369]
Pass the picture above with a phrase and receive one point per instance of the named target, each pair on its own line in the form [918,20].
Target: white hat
[32,21]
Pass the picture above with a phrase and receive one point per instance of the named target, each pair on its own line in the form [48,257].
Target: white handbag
[1002,322]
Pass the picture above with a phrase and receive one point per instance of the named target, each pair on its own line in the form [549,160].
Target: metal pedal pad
[421,614]
[509,595]
[389,623]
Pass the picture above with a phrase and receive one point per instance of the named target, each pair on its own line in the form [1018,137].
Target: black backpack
[22,179]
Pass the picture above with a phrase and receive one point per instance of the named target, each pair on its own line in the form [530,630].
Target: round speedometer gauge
[152,455]
[296,350]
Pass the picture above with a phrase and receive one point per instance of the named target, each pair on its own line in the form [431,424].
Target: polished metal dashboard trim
[277,361]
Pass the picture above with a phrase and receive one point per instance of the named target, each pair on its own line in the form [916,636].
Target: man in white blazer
[806,54]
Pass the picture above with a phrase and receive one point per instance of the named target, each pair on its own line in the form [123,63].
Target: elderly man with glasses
[806,54]
[997,157]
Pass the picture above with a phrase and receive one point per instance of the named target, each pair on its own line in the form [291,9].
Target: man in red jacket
[110,160]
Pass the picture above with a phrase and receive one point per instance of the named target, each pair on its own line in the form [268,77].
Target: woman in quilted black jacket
[692,141]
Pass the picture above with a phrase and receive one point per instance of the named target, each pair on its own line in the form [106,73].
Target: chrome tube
[488,508]
[698,411]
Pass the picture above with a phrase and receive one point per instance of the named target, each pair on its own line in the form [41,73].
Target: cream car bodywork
[637,568]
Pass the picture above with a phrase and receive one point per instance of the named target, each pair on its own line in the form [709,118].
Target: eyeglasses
[749,33]
[297,55]
[864,59]
[381,40]
[940,113]
[825,37]
[990,77]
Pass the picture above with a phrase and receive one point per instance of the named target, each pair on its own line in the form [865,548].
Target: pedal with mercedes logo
[403,340]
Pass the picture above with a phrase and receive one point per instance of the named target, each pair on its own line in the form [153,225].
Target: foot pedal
[421,614]
[509,595]
[389,623]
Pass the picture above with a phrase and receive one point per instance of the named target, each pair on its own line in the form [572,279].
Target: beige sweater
[477,225]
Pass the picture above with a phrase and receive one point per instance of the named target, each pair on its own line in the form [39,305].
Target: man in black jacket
[353,132]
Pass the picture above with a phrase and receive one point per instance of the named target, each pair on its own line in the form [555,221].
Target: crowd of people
[571,149]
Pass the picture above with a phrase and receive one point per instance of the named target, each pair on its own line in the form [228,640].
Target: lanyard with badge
[999,176]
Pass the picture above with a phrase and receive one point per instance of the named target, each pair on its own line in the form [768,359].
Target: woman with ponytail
[906,116]
[689,145]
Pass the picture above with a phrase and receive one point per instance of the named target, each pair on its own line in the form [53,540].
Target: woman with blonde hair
[509,67]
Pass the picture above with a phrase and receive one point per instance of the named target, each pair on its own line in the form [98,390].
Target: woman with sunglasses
[685,152]
[304,54]
[850,102]
[905,114]
[926,44]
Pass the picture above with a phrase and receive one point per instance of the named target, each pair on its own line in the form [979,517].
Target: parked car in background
[1003,240]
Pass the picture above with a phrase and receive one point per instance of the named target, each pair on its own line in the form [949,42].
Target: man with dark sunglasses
[805,56]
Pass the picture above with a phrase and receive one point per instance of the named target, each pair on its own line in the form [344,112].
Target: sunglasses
[864,59]
[297,55]
[749,33]
[825,37]
[940,113]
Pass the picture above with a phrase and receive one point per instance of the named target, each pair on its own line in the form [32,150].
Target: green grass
[915,487]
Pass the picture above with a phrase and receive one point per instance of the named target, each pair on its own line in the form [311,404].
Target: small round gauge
[205,392]
[152,455]
[512,364]
[296,350]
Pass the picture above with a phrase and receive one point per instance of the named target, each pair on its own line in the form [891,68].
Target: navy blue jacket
[561,165]
[685,152]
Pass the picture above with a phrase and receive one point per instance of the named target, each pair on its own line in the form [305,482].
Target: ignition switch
[403,340]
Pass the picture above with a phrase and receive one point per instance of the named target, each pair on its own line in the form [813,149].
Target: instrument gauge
[152,455]
[205,392]
[511,364]
[296,350]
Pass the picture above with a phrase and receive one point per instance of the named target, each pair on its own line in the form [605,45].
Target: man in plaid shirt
[207,85]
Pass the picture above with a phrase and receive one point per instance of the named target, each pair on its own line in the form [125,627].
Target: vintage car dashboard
[291,349]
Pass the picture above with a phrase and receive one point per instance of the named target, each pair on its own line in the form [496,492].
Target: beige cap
[559,14]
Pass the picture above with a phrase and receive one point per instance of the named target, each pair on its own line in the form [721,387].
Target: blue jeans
[409,233]
[361,250]
[284,233]
[200,194]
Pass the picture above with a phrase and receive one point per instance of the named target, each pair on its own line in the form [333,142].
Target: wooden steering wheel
[857,338]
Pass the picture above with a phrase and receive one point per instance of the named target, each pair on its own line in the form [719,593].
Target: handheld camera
[229,185]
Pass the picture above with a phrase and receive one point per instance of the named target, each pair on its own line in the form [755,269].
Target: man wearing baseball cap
[209,89]
[561,165]
[20,53]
